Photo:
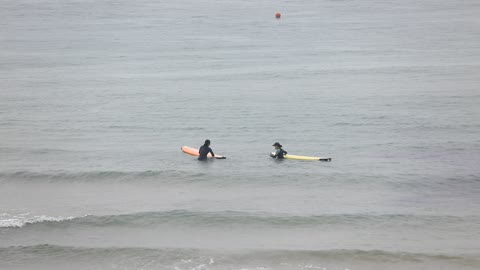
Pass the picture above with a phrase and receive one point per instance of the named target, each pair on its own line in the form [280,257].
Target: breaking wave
[232,219]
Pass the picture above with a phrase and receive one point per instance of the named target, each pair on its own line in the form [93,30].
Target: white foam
[18,221]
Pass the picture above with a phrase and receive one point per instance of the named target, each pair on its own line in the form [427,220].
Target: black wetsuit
[204,150]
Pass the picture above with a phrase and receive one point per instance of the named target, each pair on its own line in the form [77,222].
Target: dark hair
[207,142]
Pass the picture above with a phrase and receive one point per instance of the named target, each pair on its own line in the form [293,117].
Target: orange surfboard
[194,152]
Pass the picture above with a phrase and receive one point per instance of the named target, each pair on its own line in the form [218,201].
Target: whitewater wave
[232,219]
[18,221]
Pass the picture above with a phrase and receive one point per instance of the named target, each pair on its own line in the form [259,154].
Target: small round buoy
[278,15]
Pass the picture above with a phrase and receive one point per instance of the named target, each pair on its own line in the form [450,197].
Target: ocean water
[97,97]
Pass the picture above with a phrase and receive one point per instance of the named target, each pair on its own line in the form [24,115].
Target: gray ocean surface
[97,97]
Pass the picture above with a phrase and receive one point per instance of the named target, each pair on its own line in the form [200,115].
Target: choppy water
[97,97]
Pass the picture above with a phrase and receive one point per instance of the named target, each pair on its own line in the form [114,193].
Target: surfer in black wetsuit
[279,152]
[204,150]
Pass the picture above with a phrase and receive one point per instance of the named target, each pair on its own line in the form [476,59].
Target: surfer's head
[277,145]
[207,142]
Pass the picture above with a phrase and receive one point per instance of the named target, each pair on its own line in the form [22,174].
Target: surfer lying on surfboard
[204,150]
[279,152]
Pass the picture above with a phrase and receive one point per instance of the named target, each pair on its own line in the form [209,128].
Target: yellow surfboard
[288,156]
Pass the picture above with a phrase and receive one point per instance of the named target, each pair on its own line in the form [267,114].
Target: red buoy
[278,15]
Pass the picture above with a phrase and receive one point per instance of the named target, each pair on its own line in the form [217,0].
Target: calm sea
[97,97]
